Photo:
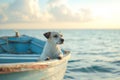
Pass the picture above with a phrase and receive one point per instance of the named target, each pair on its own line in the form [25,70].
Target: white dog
[52,49]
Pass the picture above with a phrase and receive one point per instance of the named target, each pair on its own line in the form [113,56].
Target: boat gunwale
[28,66]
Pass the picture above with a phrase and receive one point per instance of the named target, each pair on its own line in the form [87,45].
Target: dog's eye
[55,36]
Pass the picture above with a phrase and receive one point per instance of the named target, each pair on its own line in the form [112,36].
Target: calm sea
[95,53]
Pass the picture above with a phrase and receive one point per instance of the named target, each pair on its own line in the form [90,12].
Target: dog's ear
[47,35]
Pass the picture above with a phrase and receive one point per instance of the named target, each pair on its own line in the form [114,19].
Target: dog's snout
[62,40]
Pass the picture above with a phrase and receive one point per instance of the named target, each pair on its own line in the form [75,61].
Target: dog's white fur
[52,48]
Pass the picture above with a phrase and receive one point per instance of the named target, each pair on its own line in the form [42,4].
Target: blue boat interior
[20,49]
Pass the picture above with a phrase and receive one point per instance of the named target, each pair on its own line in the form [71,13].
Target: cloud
[29,11]
[53,3]
[3,18]
[61,12]
[85,15]
[24,10]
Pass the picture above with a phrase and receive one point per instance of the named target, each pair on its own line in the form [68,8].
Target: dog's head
[55,37]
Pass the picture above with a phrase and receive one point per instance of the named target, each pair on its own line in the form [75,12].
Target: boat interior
[15,49]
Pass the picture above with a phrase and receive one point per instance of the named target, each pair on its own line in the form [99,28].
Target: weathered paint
[46,70]
[19,68]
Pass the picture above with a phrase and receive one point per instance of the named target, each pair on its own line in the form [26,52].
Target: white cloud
[61,12]
[24,10]
[3,18]
[29,11]
[53,3]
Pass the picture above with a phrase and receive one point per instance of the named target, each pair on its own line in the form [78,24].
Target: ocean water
[95,53]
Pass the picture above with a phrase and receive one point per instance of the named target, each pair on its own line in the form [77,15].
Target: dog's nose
[62,40]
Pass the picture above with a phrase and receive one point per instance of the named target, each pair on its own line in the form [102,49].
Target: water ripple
[116,62]
[92,69]
[68,77]
[72,61]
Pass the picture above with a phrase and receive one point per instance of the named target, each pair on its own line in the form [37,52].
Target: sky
[59,14]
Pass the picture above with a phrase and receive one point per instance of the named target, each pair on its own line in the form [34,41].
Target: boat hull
[53,73]
[46,70]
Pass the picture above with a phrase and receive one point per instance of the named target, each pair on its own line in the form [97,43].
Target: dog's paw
[66,52]
[60,57]
[48,58]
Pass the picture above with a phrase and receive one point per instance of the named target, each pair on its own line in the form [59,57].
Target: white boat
[19,60]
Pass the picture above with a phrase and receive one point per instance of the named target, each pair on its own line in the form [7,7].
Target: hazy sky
[39,14]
